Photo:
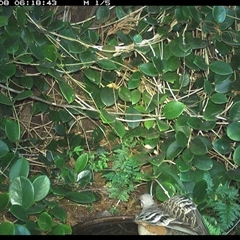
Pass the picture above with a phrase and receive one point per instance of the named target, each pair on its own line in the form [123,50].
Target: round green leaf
[59,213]
[41,186]
[81,162]
[12,130]
[233,131]
[21,192]
[23,95]
[187,176]
[221,68]
[4,201]
[173,109]
[234,112]
[236,156]
[202,162]
[45,221]
[84,177]
[102,14]
[133,116]
[181,139]
[3,149]
[106,117]
[19,212]
[118,128]
[19,168]
[93,75]
[200,192]
[182,165]
[21,230]
[107,64]
[137,38]
[67,91]
[219,13]
[184,80]
[222,146]
[5,100]
[81,197]
[8,70]
[108,96]
[7,228]
[223,86]
[187,155]
[125,94]
[160,193]
[200,62]
[173,150]
[234,174]
[148,69]
[198,147]
[136,96]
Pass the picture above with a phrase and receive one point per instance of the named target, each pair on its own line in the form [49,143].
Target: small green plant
[222,202]
[124,171]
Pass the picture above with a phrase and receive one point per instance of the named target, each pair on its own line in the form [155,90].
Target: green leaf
[107,64]
[84,178]
[125,94]
[41,186]
[102,14]
[60,129]
[37,51]
[7,228]
[19,212]
[21,192]
[200,192]
[162,126]
[50,53]
[184,80]
[234,174]
[220,67]
[23,95]
[93,75]
[21,230]
[19,168]
[133,117]
[234,112]
[182,165]
[200,62]
[219,13]
[12,130]
[173,150]
[198,147]
[236,156]
[3,21]
[233,131]
[106,117]
[108,96]
[219,98]
[222,145]
[67,91]
[3,149]
[173,109]
[120,13]
[8,70]
[45,221]
[118,128]
[137,38]
[59,213]
[181,139]
[148,69]
[81,163]
[4,201]
[202,162]
[21,16]
[81,197]
[136,96]
[160,193]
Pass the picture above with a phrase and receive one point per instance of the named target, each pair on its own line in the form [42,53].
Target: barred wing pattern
[177,215]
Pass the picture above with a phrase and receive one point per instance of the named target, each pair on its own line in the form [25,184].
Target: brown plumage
[176,216]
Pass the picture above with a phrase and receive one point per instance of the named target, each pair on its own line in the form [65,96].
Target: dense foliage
[160,87]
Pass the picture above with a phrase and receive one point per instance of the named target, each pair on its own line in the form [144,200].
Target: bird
[176,216]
